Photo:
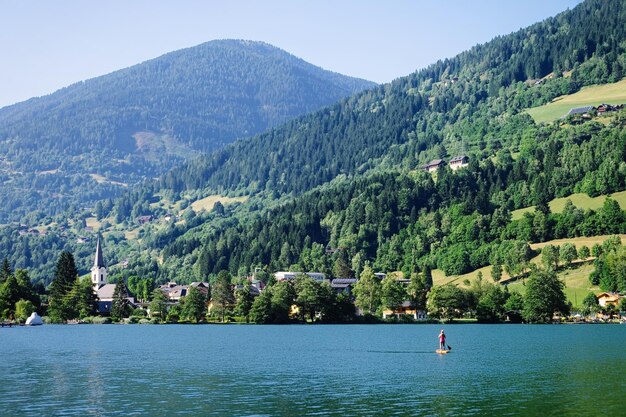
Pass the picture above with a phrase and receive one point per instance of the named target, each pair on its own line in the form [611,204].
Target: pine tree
[243,300]
[221,293]
[6,271]
[119,306]
[9,295]
[65,275]
[341,268]
[261,310]
[194,308]
[428,277]
[496,272]
[417,291]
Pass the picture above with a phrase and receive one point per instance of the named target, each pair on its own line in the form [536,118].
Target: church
[103,290]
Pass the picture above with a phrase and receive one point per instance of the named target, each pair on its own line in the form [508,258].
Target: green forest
[341,190]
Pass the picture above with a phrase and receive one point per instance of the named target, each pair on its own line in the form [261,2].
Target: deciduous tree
[544,296]
[367,291]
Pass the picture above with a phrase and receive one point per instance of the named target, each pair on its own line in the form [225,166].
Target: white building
[285,276]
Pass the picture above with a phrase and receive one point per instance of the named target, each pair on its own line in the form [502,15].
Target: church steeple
[98,262]
[99,270]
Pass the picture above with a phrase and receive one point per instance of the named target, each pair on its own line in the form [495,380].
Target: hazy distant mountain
[87,140]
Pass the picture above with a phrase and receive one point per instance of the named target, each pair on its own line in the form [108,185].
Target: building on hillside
[145,219]
[288,275]
[433,165]
[584,112]
[608,298]
[603,108]
[457,162]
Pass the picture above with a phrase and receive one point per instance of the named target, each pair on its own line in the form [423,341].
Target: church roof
[105,293]
[98,262]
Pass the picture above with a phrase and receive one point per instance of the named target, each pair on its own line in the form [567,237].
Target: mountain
[348,176]
[343,186]
[93,138]
[426,114]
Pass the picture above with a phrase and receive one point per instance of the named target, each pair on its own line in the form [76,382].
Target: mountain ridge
[197,99]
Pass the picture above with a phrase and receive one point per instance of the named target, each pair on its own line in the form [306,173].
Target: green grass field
[93,223]
[576,278]
[582,201]
[577,284]
[207,203]
[594,95]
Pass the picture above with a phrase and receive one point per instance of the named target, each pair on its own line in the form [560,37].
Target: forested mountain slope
[471,104]
[340,187]
[446,108]
[88,140]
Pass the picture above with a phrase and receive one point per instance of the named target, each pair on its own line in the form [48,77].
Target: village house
[343,285]
[406,309]
[288,275]
[608,298]
[604,108]
[174,292]
[433,165]
[458,162]
[145,219]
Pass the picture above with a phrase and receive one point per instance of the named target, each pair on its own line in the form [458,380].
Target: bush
[146,321]
[101,320]
[139,312]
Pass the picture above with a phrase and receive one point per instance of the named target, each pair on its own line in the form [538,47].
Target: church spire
[98,262]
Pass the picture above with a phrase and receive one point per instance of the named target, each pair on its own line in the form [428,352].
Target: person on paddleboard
[442,340]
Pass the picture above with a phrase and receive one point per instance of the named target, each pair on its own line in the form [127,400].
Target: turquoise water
[363,370]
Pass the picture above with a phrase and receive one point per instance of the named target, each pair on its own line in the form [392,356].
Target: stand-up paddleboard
[442,351]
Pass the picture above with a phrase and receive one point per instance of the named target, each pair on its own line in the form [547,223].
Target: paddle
[449,348]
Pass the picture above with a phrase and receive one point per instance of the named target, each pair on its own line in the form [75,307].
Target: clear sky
[46,45]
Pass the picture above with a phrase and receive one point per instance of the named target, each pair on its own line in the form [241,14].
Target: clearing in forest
[582,201]
[207,203]
[593,95]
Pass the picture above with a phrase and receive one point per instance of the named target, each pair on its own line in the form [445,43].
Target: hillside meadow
[614,93]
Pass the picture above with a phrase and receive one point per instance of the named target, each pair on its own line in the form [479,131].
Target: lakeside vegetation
[534,296]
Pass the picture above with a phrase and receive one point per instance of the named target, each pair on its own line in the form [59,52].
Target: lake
[314,370]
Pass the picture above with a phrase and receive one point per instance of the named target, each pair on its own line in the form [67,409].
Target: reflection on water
[382,370]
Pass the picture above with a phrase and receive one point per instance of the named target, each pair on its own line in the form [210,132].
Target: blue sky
[47,45]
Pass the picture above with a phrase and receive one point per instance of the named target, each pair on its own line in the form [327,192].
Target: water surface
[362,370]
